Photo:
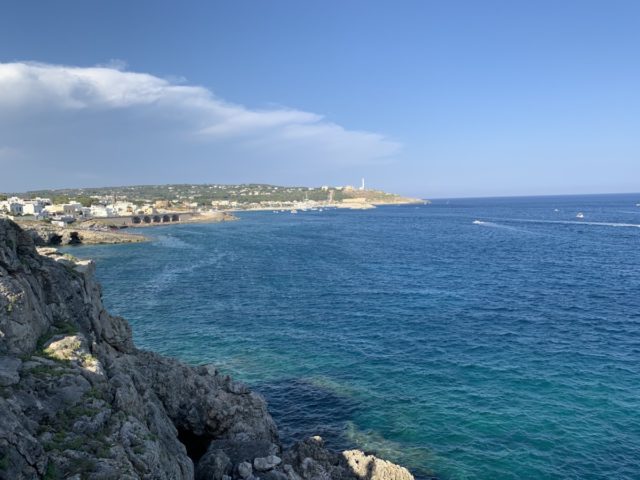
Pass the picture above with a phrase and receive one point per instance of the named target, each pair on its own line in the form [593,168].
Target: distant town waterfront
[466,339]
[104,209]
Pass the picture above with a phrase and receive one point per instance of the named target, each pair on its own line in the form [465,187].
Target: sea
[494,338]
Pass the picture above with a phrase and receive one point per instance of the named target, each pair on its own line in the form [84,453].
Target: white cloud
[79,118]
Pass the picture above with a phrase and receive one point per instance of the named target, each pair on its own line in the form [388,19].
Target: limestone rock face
[79,400]
[373,468]
[310,460]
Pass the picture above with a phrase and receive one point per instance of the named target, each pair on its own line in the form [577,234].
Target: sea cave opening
[74,238]
[55,239]
[196,445]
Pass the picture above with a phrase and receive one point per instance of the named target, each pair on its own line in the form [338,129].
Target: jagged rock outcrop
[78,400]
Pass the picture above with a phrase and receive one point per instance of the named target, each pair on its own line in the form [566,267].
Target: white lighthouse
[362,186]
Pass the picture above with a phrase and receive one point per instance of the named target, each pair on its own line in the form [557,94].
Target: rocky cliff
[79,400]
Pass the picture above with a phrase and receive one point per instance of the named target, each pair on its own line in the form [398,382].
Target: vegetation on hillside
[205,194]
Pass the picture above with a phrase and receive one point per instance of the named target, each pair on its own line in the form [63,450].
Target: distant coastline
[99,215]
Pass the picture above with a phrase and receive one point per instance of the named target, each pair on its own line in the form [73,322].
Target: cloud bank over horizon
[69,126]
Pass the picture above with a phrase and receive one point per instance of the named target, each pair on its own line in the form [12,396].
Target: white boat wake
[573,222]
[504,227]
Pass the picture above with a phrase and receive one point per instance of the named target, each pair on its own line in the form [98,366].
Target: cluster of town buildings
[107,206]
[44,208]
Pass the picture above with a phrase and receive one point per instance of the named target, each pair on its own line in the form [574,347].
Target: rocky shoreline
[79,400]
[98,232]
[47,235]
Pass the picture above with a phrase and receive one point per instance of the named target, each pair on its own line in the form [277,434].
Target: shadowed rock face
[78,400]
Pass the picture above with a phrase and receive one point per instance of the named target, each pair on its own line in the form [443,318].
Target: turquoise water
[497,350]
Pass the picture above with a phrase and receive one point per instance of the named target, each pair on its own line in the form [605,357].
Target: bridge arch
[156,219]
[146,219]
[136,220]
[166,218]
[175,217]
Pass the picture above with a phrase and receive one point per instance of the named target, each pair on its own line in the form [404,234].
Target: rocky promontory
[78,399]
[46,234]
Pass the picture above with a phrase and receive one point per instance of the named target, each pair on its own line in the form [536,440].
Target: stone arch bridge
[155,218]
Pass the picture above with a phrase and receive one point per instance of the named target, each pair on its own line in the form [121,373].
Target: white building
[16,208]
[103,211]
[54,209]
[33,207]
[19,206]
[123,208]
[85,212]
[71,208]
[42,201]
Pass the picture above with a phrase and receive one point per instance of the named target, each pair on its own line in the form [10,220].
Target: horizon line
[536,195]
[489,196]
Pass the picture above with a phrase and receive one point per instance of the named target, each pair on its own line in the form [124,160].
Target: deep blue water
[499,350]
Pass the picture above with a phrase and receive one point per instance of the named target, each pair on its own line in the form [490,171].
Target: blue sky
[456,98]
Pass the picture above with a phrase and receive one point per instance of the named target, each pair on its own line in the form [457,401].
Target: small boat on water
[580,215]
[294,211]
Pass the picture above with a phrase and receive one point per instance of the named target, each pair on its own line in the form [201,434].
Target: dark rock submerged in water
[79,400]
